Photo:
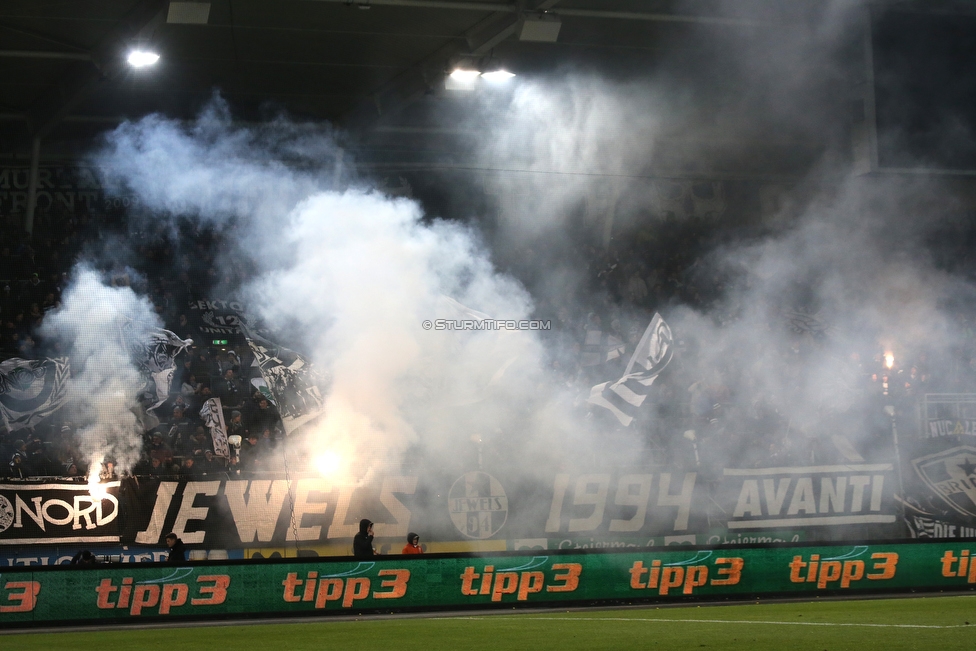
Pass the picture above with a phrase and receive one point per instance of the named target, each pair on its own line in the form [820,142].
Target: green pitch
[941,623]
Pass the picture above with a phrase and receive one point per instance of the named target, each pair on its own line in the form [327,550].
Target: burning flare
[328,463]
[95,487]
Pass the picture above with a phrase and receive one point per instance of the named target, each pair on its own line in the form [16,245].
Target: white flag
[212,414]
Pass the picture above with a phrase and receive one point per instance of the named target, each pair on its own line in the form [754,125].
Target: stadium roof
[369,64]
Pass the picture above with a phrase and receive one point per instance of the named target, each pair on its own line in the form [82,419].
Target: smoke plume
[94,325]
[347,276]
[770,312]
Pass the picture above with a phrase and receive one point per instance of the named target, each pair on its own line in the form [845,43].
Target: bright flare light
[889,358]
[95,489]
[328,463]
[465,75]
[497,75]
[141,58]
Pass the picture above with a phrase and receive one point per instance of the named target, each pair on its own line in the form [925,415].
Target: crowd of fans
[700,412]
[710,409]
[170,268]
[176,442]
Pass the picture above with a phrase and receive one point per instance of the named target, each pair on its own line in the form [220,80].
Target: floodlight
[142,58]
[464,75]
[462,79]
[497,75]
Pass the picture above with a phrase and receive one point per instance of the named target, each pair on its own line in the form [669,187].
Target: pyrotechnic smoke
[581,164]
[349,277]
[94,324]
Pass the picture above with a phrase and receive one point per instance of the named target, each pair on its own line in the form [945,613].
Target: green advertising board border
[135,548]
[304,587]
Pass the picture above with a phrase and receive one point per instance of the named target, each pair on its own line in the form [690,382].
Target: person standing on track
[362,544]
[413,545]
[177,551]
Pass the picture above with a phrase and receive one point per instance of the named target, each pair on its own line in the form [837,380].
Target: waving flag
[625,396]
[154,350]
[291,379]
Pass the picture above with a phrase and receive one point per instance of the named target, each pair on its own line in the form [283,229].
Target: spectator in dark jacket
[202,367]
[362,544]
[230,391]
[250,454]
[265,416]
[189,471]
[177,551]
[84,558]
[18,467]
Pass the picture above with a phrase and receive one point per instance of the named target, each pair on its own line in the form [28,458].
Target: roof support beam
[514,9]
[489,44]
[32,185]
[36,54]
[41,37]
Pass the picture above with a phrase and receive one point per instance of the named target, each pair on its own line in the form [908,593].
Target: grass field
[931,624]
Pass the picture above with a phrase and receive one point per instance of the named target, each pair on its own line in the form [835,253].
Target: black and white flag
[162,347]
[31,389]
[154,350]
[292,380]
[625,396]
[212,414]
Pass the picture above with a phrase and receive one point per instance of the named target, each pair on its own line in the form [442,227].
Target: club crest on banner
[952,475]
[478,505]
[6,513]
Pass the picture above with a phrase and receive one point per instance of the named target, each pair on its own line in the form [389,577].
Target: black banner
[480,510]
[72,189]
[791,497]
[58,513]
[216,319]
[474,507]
[940,482]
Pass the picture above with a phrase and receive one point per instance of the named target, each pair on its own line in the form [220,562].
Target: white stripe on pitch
[710,621]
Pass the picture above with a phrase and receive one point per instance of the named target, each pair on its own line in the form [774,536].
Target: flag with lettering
[212,414]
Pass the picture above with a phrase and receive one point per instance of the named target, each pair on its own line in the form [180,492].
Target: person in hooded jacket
[413,545]
[362,544]
[177,551]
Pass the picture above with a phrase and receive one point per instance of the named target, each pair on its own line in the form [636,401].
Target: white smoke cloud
[580,152]
[93,325]
[348,277]
[365,274]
